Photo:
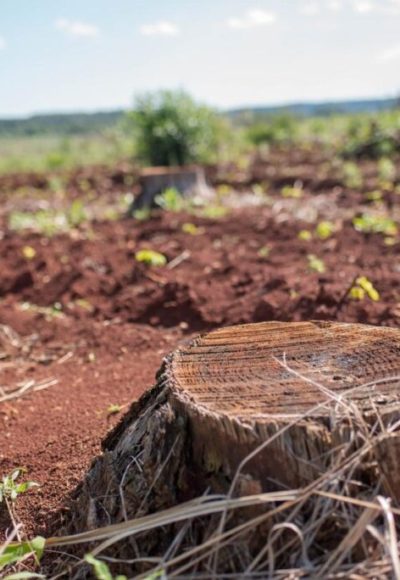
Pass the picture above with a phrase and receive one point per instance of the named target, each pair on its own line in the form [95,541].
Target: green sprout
[324,230]
[113,409]
[304,235]
[170,199]
[294,191]
[386,170]
[264,252]
[28,252]
[142,215]
[18,552]
[362,288]
[223,189]
[10,489]
[151,257]
[76,213]
[375,195]
[352,176]
[101,570]
[192,229]
[214,212]
[371,224]
[316,264]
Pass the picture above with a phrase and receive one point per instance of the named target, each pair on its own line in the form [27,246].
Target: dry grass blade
[353,536]
[25,388]
[198,508]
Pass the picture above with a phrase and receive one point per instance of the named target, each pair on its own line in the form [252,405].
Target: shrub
[281,129]
[172,129]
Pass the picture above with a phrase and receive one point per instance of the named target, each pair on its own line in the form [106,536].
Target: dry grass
[341,525]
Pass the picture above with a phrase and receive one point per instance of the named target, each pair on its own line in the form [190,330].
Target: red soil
[119,318]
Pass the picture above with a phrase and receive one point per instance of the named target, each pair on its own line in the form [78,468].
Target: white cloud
[252,19]
[77,28]
[163,28]
[310,9]
[393,7]
[363,6]
[389,54]
[334,5]
[3,43]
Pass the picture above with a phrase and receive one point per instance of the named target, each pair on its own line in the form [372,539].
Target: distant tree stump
[189,181]
[289,390]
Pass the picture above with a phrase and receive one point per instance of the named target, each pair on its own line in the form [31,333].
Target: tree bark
[259,407]
[189,181]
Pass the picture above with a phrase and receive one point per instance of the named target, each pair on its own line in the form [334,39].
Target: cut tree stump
[189,181]
[264,405]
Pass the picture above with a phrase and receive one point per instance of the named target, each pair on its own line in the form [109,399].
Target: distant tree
[172,129]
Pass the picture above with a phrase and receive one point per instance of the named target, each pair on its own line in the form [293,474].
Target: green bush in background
[170,128]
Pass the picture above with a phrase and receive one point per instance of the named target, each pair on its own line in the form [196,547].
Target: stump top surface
[286,369]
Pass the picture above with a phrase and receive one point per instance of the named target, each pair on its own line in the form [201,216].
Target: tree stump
[261,405]
[189,181]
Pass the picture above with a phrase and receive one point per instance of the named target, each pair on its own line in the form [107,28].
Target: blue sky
[66,55]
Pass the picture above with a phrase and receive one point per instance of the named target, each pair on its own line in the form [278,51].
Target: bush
[172,129]
[373,138]
[279,130]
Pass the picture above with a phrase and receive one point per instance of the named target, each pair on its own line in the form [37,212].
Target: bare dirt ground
[82,318]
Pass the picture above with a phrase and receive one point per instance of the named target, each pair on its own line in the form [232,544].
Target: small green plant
[76,213]
[143,214]
[151,257]
[372,224]
[18,552]
[362,288]
[214,212]
[10,489]
[264,252]
[192,229]
[113,409]
[389,241]
[386,170]
[316,264]
[293,191]
[48,222]
[304,235]
[324,230]
[223,189]
[374,196]
[28,252]
[352,176]
[101,570]
[49,312]
[170,200]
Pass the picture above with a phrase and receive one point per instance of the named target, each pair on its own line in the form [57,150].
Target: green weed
[352,176]
[170,200]
[316,264]
[371,224]
[294,191]
[101,570]
[10,489]
[362,288]
[324,230]
[304,235]
[151,257]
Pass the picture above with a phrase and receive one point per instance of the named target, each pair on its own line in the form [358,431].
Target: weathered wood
[272,400]
[189,181]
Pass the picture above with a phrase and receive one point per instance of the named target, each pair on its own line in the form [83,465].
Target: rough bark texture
[224,395]
[189,181]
